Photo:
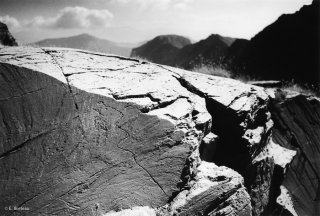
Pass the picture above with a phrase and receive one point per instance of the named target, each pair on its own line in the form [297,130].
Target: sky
[135,21]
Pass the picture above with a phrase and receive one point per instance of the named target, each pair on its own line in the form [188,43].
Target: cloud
[74,17]
[160,4]
[182,5]
[11,22]
[67,18]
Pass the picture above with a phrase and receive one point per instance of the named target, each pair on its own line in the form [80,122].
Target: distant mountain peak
[215,36]
[227,40]
[161,49]
[172,39]
[85,35]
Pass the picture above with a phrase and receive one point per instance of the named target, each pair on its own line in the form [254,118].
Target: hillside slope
[211,50]
[287,49]
[178,51]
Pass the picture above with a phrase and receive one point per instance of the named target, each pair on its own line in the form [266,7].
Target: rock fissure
[71,74]
[65,75]
[111,56]
[135,160]
[161,104]
[214,110]
[187,85]
[232,148]
[222,122]
[244,94]
[121,69]
[69,86]
[148,95]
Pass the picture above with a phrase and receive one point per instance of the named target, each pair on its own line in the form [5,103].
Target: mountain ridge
[188,55]
[87,42]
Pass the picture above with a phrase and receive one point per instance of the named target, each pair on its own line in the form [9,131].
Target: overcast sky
[139,20]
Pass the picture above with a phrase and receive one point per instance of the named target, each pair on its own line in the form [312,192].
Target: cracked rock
[84,133]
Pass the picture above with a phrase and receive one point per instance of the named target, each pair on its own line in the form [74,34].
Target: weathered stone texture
[85,133]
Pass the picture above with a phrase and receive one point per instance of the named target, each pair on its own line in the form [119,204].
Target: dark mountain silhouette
[6,38]
[211,50]
[285,50]
[178,51]
[88,42]
[162,49]
[235,51]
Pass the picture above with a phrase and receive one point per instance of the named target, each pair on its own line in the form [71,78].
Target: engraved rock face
[84,133]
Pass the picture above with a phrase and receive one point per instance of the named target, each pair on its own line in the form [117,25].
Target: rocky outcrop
[6,38]
[86,133]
